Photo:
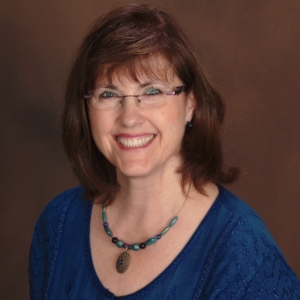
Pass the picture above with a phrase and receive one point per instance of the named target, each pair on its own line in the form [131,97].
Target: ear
[190,107]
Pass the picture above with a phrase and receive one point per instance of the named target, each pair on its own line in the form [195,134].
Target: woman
[141,126]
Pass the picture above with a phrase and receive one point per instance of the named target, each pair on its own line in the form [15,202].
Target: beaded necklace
[123,260]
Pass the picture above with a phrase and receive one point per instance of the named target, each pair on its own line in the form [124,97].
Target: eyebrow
[141,85]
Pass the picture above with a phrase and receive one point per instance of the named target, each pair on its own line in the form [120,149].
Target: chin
[134,170]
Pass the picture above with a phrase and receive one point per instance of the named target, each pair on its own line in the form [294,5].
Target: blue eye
[152,91]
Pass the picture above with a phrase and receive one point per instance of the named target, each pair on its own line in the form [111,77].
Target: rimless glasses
[105,99]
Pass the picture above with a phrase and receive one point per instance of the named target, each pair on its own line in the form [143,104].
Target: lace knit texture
[230,256]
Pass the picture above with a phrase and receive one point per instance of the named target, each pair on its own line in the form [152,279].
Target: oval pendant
[123,262]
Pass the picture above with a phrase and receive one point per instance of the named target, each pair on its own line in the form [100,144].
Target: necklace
[123,260]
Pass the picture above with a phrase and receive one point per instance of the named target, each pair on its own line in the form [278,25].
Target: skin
[166,124]
[150,194]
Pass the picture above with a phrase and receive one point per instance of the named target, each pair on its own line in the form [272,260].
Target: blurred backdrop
[251,51]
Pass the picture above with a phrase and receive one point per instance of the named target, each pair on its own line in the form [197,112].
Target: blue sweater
[231,255]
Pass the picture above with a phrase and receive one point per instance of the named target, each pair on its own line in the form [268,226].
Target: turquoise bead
[150,241]
[119,243]
[135,247]
[108,231]
[173,221]
[104,218]
[165,230]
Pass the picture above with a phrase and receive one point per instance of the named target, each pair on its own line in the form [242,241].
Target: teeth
[135,142]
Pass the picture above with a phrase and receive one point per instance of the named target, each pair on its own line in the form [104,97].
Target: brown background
[251,50]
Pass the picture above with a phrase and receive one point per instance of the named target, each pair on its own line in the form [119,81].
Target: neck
[148,193]
[145,204]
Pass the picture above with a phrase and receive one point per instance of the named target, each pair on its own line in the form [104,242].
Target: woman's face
[141,141]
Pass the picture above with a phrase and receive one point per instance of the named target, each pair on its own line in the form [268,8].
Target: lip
[134,141]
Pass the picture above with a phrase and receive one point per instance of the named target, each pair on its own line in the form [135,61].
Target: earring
[189,124]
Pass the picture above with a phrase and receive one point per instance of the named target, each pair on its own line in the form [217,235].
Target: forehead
[138,70]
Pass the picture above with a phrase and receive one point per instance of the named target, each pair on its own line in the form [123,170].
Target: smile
[135,141]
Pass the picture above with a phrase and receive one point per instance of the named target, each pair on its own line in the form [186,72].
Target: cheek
[101,125]
[173,122]
[100,121]
[175,116]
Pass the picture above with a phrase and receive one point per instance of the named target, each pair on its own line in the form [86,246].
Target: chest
[86,264]
[144,267]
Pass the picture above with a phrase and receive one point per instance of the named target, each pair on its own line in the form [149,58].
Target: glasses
[104,99]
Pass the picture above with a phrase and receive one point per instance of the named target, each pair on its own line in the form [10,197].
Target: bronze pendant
[123,262]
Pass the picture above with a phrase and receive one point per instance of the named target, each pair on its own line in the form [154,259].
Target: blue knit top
[231,255]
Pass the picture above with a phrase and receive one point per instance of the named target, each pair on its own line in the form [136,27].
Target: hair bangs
[139,68]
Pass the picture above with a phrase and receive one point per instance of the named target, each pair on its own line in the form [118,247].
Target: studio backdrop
[251,53]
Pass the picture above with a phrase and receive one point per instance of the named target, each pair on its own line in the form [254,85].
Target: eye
[152,91]
[179,90]
[107,94]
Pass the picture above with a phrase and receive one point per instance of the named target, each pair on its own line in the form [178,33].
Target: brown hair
[122,40]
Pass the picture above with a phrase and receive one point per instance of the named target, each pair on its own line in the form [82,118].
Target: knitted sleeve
[249,265]
[45,244]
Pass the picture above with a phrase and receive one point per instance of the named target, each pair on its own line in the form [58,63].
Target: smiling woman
[140,137]
[141,126]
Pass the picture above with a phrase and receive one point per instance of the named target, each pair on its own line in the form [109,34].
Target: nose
[130,113]
[136,97]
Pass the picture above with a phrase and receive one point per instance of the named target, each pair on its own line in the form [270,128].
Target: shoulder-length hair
[121,41]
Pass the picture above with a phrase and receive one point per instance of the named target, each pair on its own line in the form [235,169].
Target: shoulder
[52,218]
[241,220]
[233,220]
[61,202]
[246,235]
[47,235]
[235,205]
[55,210]
[245,259]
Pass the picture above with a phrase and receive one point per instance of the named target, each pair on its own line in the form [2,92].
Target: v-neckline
[170,267]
